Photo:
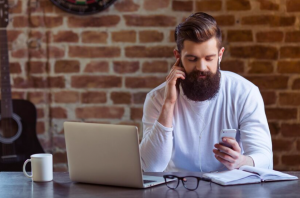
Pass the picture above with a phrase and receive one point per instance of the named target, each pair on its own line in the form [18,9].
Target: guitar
[18,138]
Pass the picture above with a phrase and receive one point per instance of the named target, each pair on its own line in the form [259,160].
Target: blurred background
[99,68]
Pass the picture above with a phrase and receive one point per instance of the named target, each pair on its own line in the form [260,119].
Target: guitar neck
[6,101]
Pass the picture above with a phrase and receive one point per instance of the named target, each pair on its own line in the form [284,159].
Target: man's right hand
[171,90]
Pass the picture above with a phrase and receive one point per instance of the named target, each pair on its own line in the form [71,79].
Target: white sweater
[189,144]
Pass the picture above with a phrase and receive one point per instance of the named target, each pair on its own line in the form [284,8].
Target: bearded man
[184,116]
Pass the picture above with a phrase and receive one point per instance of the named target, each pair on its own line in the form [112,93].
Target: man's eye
[209,59]
[192,60]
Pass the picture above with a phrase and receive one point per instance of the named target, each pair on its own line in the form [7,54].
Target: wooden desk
[15,184]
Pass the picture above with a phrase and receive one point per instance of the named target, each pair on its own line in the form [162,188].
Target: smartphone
[179,79]
[230,133]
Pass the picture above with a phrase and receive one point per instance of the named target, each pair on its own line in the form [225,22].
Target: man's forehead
[200,49]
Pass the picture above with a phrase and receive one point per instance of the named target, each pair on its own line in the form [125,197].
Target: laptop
[105,154]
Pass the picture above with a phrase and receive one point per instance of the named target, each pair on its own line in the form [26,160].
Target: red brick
[37,97]
[290,130]
[291,160]
[31,82]
[150,20]
[20,21]
[288,67]
[12,35]
[66,97]
[172,36]
[47,21]
[60,157]
[296,84]
[112,112]
[269,82]
[239,36]
[292,37]
[97,66]
[151,5]
[40,127]
[94,37]
[40,113]
[126,6]
[56,82]
[155,67]
[274,128]
[182,5]
[67,66]
[281,113]
[15,68]
[36,67]
[281,145]
[206,6]
[17,8]
[93,97]
[121,97]
[236,66]
[260,67]
[58,112]
[17,95]
[149,36]
[272,20]
[269,36]
[269,97]
[225,20]
[139,98]
[96,81]
[19,53]
[293,6]
[143,82]
[268,5]
[46,6]
[256,51]
[298,145]
[66,36]
[124,36]
[122,67]
[94,52]
[290,52]
[151,52]
[136,113]
[238,5]
[275,161]
[101,21]
[59,142]
[289,99]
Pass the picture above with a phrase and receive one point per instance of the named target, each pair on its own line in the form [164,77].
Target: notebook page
[233,177]
[267,174]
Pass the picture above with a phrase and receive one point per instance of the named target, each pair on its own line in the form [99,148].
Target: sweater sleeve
[254,131]
[157,143]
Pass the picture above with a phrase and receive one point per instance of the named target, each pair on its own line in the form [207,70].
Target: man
[184,116]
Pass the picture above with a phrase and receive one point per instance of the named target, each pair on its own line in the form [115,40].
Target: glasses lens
[190,183]
[171,181]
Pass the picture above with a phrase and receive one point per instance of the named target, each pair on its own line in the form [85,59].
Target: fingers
[177,62]
[233,143]
[234,154]
[224,156]
[229,165]
[172,77]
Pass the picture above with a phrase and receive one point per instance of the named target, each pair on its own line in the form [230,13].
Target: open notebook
[247,175]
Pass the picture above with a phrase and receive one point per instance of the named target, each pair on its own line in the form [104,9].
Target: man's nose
[201,66]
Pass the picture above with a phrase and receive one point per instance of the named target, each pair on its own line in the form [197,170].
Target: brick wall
[99,68]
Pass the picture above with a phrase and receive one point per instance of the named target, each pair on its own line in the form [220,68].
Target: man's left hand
[231,157]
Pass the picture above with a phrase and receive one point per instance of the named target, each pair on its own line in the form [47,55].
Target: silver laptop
[105,154]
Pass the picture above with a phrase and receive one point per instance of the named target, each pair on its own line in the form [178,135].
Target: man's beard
[201,89]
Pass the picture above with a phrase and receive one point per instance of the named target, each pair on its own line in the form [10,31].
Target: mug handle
[24,170]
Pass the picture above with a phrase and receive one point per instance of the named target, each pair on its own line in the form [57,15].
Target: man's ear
[221,52]
[176,53]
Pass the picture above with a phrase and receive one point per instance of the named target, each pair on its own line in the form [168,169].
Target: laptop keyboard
[148,181]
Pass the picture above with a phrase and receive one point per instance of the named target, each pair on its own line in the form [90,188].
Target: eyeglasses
[189,182]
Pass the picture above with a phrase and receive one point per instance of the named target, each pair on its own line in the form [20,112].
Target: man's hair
[198,27]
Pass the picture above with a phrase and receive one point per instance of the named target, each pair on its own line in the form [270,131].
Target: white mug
[41,167]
